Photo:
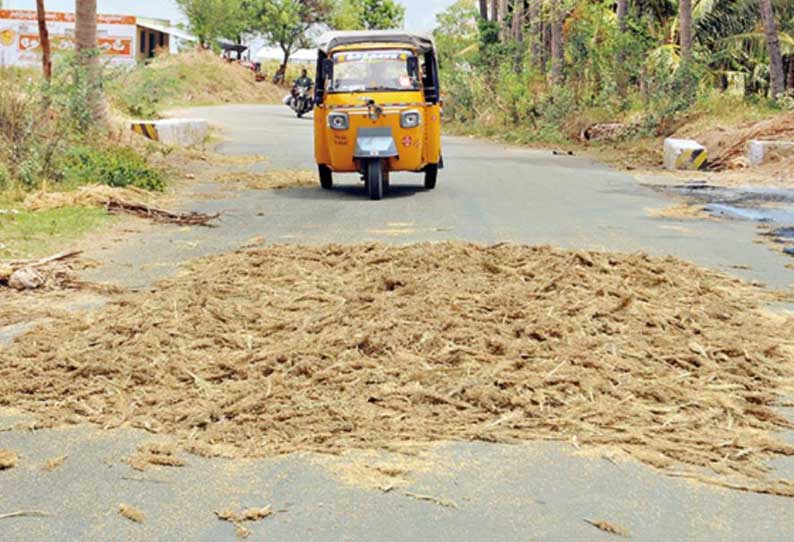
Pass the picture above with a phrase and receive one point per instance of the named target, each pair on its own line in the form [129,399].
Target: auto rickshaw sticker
[407,141]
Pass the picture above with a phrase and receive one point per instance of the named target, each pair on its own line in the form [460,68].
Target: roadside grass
[715,115]
[195,78]
[28,234]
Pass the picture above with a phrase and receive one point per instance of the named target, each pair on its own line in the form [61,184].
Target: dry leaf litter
[276,349]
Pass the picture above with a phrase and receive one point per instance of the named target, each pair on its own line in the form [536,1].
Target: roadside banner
[20,45]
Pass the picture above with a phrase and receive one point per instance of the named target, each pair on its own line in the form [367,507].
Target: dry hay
[246,515]
[679,211]
[607,527]
[160,455]
[131,513]
[54,463]
[93,195]
[271,180]
[115,200]
[8,459]
[283,348]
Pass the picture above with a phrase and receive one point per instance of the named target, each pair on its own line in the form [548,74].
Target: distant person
[279,76]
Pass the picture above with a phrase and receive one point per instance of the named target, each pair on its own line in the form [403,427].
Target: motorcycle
[300,100]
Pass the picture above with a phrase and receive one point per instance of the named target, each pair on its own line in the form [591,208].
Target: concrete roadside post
[181,132]
[759,151]
[684,154]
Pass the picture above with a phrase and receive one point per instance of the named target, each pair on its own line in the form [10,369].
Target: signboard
[20,45]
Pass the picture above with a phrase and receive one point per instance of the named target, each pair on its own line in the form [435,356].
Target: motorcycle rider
[304,81]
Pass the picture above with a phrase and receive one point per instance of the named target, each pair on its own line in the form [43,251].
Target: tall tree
[501,18]
[494,10]
[210,20]
[286,23]
[367,15]
[777,82]
[557,53]
[518,20]
[484,9]
[685,27]
[622,15]
[87,54]
[535,32]
[44,39]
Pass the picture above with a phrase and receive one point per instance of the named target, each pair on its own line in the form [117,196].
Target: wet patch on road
[771,207]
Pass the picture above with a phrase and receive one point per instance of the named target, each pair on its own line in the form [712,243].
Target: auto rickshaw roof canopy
[331,40]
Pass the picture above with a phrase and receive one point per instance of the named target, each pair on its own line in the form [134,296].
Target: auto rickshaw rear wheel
[374,179]
[431,175]
[326,177]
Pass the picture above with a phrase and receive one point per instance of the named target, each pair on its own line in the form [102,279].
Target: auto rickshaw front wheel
[373,177]
[326,177]
[431,175]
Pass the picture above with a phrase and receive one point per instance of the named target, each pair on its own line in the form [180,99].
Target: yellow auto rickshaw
[377,107]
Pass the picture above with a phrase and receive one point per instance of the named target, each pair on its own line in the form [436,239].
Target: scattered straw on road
[276,349]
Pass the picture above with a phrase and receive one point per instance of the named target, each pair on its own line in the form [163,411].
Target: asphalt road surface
[536,491]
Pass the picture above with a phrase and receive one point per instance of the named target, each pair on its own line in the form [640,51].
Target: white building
[122,39]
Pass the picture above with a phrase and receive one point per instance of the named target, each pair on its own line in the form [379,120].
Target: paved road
[537,491]
[487,193]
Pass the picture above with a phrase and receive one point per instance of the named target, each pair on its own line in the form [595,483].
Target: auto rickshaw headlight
[410,118]
[338,121]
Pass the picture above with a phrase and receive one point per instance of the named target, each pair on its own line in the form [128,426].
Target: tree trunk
[44,38]
[556,43]
[777,83]
[501,14]
[85,40]
[535,30]
[622,14]
[494,10]
[685,27]
[518,20]
[484,9]
[790,72]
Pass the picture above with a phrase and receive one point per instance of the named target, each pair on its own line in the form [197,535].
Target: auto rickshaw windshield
[380,70]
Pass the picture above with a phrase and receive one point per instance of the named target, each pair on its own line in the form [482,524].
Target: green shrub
[5,177]
[140,91]
[113,166]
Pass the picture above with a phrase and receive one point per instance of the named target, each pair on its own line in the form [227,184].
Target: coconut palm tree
[557,52]
[685,27]
[86,42]
[777,82]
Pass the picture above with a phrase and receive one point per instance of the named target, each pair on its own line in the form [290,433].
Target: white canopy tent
[301,56]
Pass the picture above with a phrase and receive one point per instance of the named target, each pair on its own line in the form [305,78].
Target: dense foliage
[498,71]
[47,135]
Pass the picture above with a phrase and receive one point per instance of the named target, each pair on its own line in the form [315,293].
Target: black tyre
[374,179]
[326,177]
[431,175]
[386,184]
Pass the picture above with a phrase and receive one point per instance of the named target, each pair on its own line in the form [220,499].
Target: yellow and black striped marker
[146,129]
[691,159]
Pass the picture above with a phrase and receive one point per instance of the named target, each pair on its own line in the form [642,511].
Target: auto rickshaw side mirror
[328,69]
